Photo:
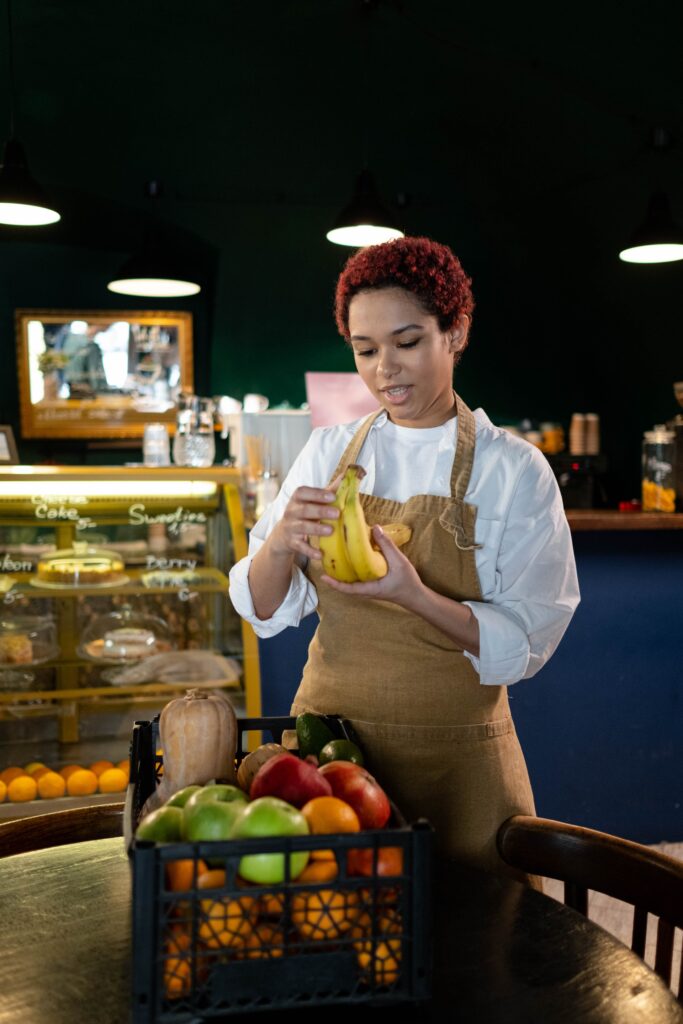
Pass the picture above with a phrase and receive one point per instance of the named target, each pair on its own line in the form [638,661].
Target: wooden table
[504,952]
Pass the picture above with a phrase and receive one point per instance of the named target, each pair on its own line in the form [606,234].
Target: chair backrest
[586,859]
[77,825]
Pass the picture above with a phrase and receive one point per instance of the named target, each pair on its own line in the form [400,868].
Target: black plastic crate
[207,945]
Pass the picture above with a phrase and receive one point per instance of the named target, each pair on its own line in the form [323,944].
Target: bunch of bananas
[348,553]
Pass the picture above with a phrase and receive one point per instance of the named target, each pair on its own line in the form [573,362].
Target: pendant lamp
[155,270]
[658,239]
[22,200]
[365,221]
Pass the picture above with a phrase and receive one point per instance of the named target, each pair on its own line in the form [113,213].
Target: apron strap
[354,446]
[459,517]
[464,450]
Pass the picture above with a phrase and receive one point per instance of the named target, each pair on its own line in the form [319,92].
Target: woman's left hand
[400,583]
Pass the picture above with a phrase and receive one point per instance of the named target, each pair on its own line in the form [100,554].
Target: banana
[400,533]
[367,563]
[336,562]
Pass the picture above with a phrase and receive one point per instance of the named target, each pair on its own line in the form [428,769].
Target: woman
[420,660]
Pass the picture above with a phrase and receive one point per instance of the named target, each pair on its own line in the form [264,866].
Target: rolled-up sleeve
[301,598]
[536,586]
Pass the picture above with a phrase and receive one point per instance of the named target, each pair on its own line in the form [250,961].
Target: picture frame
[8,448]
[100,373]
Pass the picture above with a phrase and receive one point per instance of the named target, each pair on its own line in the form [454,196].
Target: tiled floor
[616,917]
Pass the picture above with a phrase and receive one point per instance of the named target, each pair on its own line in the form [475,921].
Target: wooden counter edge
[609,519]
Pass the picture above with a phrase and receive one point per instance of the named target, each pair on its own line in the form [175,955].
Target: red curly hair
[431,271]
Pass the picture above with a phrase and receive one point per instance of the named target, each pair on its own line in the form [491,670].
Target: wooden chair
[585,859]
[77,825]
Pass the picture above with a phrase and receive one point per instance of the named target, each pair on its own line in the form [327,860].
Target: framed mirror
[99,373]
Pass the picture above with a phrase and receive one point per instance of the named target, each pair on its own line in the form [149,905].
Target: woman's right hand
[301,520]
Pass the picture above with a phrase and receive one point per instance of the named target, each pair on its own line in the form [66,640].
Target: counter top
[609,519]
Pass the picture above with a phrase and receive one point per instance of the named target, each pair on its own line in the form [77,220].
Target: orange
[51,785]
[325,914]
[327,814]
[38,773]
[383,962]
[266,942]
[81,783]
[389,861]
[3,791]
[100,766]
[8,774]
[32,765]
[69,769]
[225,922]
[112,780]
[319,871]
[177,964]
[180,874]
[124,766]
[323,855]
[271,904]
[22,789]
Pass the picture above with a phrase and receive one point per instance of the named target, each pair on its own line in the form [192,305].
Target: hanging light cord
[10,64]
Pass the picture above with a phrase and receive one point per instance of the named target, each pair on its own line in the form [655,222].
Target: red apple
[354,784]
[290,779]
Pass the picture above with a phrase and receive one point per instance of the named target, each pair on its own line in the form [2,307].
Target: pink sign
[337,398]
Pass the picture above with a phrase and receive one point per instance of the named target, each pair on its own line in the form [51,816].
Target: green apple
[161,826]
[210,819]
[220,791]
[270,816]
[180,798]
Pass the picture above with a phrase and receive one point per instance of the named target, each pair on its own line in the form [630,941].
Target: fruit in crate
[312,734]
[180,798]
[270,816]
[222,792]
[340,750]
[353,784]
[161,826]
[210,819]
[254,761]
[349,553]
[291,779]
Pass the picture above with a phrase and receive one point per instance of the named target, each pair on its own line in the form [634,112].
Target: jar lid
[659,434]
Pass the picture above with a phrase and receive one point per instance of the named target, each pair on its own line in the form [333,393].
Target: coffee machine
[676,424]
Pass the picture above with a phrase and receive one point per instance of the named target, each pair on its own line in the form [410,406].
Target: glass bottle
[194,443]
[658,485]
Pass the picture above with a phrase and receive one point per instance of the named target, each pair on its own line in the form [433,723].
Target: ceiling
[490,107]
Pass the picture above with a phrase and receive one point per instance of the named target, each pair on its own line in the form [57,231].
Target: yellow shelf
[213,582]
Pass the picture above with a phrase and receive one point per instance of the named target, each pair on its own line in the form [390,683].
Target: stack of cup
[592,434]
[577,434]
[155,445]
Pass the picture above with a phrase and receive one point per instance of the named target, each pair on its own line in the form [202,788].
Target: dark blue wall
[602,724]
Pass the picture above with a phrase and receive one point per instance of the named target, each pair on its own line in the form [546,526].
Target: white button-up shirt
[525,563]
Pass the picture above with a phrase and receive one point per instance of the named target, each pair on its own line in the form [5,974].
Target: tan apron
[442,745]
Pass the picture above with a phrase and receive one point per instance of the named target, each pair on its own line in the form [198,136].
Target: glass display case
[113,599]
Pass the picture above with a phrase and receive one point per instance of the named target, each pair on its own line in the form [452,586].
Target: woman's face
[404,358]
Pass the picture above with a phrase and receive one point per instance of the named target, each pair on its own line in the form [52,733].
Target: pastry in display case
[125,636]
[25,641]
[80,566]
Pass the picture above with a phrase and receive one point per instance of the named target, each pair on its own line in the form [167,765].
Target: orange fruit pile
[20,785]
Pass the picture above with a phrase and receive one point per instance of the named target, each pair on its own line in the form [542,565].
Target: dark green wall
[525,149]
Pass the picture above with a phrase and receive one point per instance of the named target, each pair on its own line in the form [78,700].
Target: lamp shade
[22,200]
[365,221]
[154,272]
[658,239]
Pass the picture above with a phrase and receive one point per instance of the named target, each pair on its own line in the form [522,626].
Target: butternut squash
[198,735]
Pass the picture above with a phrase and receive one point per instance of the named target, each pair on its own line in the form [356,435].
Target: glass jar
[658,485]
[124,636]
[194,442]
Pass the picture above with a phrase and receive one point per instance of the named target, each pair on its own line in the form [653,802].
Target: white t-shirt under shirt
[526,563]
